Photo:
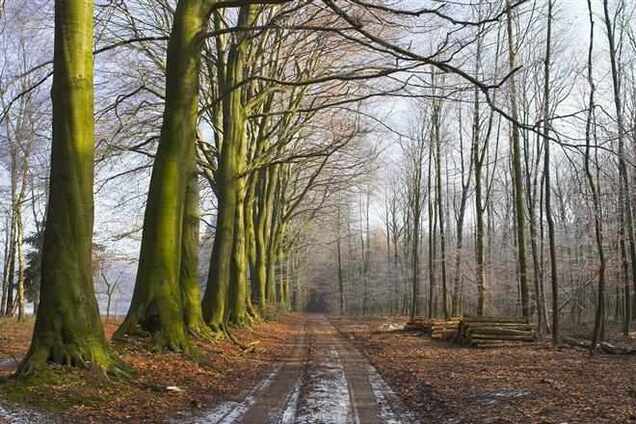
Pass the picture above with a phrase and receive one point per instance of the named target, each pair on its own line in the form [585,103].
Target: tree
[414,152]
[626,225]
[590,133]
[341,291]
[68,329]
[516,169]
[225,294]
[436,141]
[548,189]
[111,287]
[156,305]
[189,273]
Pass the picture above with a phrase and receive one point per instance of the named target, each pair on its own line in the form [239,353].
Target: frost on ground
[325,399]
[386,397]
[9,364]
[13,416]
[230,411]
[291,408]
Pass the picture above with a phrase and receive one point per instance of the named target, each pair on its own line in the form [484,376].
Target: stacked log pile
[437,328]
[420,324]
[495,331]
[485,331]
[446,330]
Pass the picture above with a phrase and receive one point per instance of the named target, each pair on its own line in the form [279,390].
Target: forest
[317,211]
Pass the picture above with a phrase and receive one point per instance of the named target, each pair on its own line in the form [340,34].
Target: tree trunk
[272,231]
[516,171]
[238,269]
[225,290]
[260,224]
[5,267]
[432,243]
[19,242]
[339,259]
[548,189]
[68,329]
[9,269]
[590,132]
[440,203]
[156,305]
[625,204]
[189,272]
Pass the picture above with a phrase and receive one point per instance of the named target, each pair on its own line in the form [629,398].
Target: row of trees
[514,202]
[262,112]
[252,107]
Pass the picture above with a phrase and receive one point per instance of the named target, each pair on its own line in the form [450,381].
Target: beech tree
[156,306]
[68,329]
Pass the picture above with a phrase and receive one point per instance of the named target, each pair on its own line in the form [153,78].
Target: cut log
[616,350]
[473,318]
[498,325]
[479,336]
[423,325]
[445,330]
[497,344]
[500,331]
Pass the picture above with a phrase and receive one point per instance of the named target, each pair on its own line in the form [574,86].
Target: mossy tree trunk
[156,305]
[238,268]
[260,217]
[227,280]
[68,329]
[271,233]
[250,235]
[238,293]
[189,275]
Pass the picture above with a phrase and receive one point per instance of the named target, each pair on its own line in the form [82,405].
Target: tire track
[325,380]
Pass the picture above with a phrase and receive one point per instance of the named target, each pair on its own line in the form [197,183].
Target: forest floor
[536,383]
[316,369]
[163,384]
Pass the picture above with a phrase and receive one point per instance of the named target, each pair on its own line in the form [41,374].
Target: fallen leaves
[163,383]
[526,384]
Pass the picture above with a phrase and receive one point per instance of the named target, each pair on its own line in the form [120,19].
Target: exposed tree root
[252,313]
[202,331]
[172,338]
[91,355]
[240,321]
[234,340]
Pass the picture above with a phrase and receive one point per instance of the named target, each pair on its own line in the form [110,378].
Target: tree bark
[341,296]
[554,274]
[598,221]
[516,170]
[189,270]
[625,204]
[68,329]
[156,305]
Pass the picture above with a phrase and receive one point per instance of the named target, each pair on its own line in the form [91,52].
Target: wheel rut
[324,380]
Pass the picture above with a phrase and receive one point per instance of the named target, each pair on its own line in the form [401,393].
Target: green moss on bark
[260,259]
[68,329]
[224,298]
[189,281]
[238,271]
[156,306]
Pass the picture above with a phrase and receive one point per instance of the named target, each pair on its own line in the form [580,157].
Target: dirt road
[323,380]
